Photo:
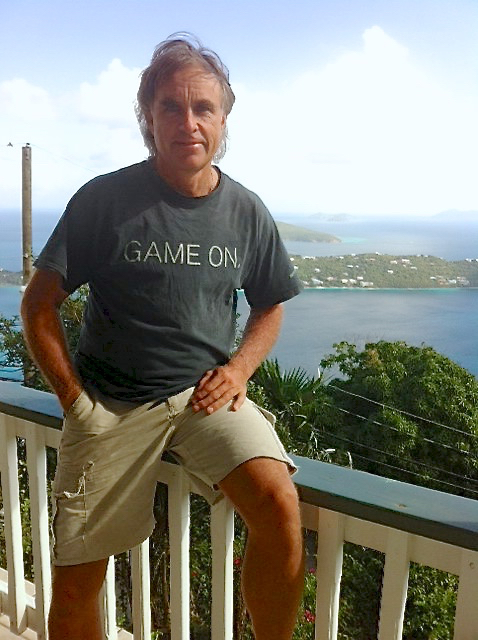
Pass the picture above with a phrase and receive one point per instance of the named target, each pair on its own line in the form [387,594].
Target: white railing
[391,517]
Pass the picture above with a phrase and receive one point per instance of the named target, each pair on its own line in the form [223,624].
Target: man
[164,245]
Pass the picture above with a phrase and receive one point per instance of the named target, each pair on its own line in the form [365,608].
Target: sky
[365,107]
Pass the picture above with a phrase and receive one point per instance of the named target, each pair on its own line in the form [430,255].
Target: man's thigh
[210,447]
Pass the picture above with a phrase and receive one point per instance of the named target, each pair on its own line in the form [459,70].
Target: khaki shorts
[109,458]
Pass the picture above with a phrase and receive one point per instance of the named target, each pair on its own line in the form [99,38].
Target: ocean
[446,320]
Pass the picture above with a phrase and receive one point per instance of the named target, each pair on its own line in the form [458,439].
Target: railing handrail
[425,512]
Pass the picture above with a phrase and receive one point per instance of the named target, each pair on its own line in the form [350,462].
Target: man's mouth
[189,143]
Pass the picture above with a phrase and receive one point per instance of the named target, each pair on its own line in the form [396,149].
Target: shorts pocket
[270,417]
[86,419]
[81,406]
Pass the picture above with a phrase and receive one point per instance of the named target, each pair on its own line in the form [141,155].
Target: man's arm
[219,386]
[45,336]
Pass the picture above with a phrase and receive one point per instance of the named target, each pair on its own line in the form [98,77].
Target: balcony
[405,523]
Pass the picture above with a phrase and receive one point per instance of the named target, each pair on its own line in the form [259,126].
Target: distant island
[293,233]
[365,271]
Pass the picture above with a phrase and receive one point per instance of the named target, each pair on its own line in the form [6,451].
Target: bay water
[446,320]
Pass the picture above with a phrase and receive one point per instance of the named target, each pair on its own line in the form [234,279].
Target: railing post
[36,460]
[13,525]
[330,551]
[179,522]
[395,585]
[466,616]
[222,542]
[141,591]
[108,603]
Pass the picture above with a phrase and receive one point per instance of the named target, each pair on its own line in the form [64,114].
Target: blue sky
[366,107]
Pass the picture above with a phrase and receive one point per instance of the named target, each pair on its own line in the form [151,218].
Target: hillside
[9,278]
[379,271]
[366,271]
[299,234]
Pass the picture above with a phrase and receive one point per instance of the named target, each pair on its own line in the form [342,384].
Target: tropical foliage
[405,412]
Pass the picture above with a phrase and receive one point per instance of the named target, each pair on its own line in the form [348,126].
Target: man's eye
[171,107]
[204,107]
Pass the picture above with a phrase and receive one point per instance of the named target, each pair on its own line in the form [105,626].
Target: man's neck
[190,184]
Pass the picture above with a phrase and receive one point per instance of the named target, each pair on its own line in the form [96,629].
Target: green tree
[300,404]
[409,409]
[13,348]
[407,413]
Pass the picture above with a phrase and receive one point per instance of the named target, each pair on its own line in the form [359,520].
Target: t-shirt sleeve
[69,248]
[271,279]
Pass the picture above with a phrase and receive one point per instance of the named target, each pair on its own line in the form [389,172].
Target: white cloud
[24,101]
[366,132]
[111,98]
[74,136]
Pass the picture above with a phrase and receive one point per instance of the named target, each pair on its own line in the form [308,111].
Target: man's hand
[218,387]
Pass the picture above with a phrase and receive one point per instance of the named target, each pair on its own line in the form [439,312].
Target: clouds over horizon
[366,132]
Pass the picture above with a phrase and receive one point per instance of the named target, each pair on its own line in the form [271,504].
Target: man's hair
[178,51]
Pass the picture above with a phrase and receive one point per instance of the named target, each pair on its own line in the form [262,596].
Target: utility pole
[28,371]
[27,213]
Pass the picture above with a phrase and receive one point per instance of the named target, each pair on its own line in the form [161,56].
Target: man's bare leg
[273,568]
[74,611]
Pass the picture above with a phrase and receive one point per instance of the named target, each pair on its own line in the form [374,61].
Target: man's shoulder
[119,176]
[235,189]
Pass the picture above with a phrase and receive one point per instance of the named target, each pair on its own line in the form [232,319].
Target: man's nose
[189,121]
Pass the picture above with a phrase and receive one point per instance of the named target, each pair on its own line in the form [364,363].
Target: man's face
[187,120]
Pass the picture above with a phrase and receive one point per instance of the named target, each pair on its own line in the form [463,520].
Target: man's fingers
[215,404]
[238,401]
[206,377]
[217,388]
[204,399]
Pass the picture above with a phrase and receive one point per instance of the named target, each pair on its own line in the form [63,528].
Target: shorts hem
[285,459]
[86,558]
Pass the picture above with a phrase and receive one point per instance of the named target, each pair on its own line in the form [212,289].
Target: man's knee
[277,506]
[263,493]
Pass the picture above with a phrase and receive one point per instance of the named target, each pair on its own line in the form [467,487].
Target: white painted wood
[432,553]
[329,573]
[466,616]
[141,591]
[36,459]
[222,541]
[12,526]
[179,523]
[28,609]
[394,587]
[109,602]
[309,516]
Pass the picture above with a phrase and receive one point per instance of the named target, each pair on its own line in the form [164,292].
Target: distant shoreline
[308,288]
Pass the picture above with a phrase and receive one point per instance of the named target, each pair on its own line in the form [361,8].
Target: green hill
[377,271]
[299,234]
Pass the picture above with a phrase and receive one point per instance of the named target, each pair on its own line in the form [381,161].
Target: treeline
[10,278]
[374,270]
[368,270]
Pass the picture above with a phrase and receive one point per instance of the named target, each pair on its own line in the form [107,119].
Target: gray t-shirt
[163,272]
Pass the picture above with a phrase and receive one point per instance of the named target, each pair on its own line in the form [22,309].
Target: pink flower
[309,616]
[237,561]
[312,570]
